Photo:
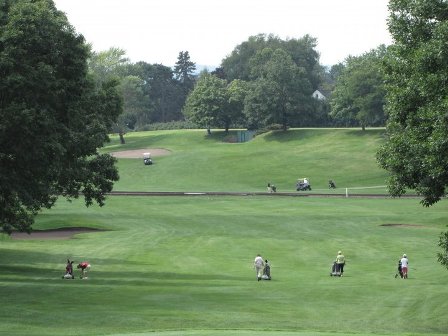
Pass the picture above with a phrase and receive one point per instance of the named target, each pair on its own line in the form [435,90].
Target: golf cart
[303,184]
[147,159]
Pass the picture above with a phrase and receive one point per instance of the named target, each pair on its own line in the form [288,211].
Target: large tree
[280,92]
[135,102]
[358,97]
[52,115]
[184,71]
[416,151]
[110,65]
[302,52]
[208,102]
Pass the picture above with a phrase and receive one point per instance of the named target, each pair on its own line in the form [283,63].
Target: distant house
[319,95]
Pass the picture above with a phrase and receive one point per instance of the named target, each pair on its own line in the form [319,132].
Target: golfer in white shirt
[259,266]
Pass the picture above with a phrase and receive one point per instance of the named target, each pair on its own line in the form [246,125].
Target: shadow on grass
[39,276]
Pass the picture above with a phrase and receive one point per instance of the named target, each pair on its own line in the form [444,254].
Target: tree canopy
[358,97]
[53,116]
[302,52]
[416,151]
[280,92]
[208,102]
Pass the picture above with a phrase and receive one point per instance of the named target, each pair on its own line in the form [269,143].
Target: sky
[155,31]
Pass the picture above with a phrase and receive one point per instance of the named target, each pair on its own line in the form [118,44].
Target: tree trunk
[121,134]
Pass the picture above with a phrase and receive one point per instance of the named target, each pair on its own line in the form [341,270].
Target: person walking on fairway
[404,266]
[340,262]
[259,266]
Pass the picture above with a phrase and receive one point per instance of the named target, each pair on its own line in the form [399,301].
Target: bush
[171,125]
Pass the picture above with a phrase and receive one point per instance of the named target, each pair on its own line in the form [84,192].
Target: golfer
[84,266]
[259,266]
[340,262]
[404,266]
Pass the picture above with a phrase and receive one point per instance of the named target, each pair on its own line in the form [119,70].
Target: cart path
[230,193]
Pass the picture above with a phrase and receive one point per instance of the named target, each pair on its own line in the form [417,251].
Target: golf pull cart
[303,184]
[147,159]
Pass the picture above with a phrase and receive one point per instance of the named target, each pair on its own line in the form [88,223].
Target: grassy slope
[185,264]
[201,163]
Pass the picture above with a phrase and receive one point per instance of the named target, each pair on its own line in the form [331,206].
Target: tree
[208,102]
[135,102]
[236,93]
[302,51]
[52,115]
[236,65]
[106,66]
[359,95]
[184,70]
[416,67]
[280,93]
[166,94]
[416,70]
[442,257]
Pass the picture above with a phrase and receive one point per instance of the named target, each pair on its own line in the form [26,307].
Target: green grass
[182,265]
[202,163]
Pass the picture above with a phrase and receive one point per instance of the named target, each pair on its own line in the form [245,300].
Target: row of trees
[151,92]
[264,81]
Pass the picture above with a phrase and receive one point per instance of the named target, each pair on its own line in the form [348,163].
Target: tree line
[265,82]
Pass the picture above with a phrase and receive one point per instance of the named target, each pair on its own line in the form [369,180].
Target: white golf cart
[303,184]
[147,159]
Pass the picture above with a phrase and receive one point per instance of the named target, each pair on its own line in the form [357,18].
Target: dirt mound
[138,153]
[62,233]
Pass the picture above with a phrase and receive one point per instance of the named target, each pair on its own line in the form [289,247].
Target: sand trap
[63,233]
[138,153]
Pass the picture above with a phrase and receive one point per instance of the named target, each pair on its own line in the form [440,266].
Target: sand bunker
[62,233]
[138,153]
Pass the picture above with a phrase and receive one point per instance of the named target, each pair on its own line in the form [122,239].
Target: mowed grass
[207,163]
[183,266]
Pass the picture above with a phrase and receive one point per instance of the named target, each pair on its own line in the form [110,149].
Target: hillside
[208,163]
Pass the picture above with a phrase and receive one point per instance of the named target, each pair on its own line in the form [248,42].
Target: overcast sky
[155,31]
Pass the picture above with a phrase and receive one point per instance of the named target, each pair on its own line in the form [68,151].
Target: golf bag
[266,272]
[335,270]
[68,270]
[399,270]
